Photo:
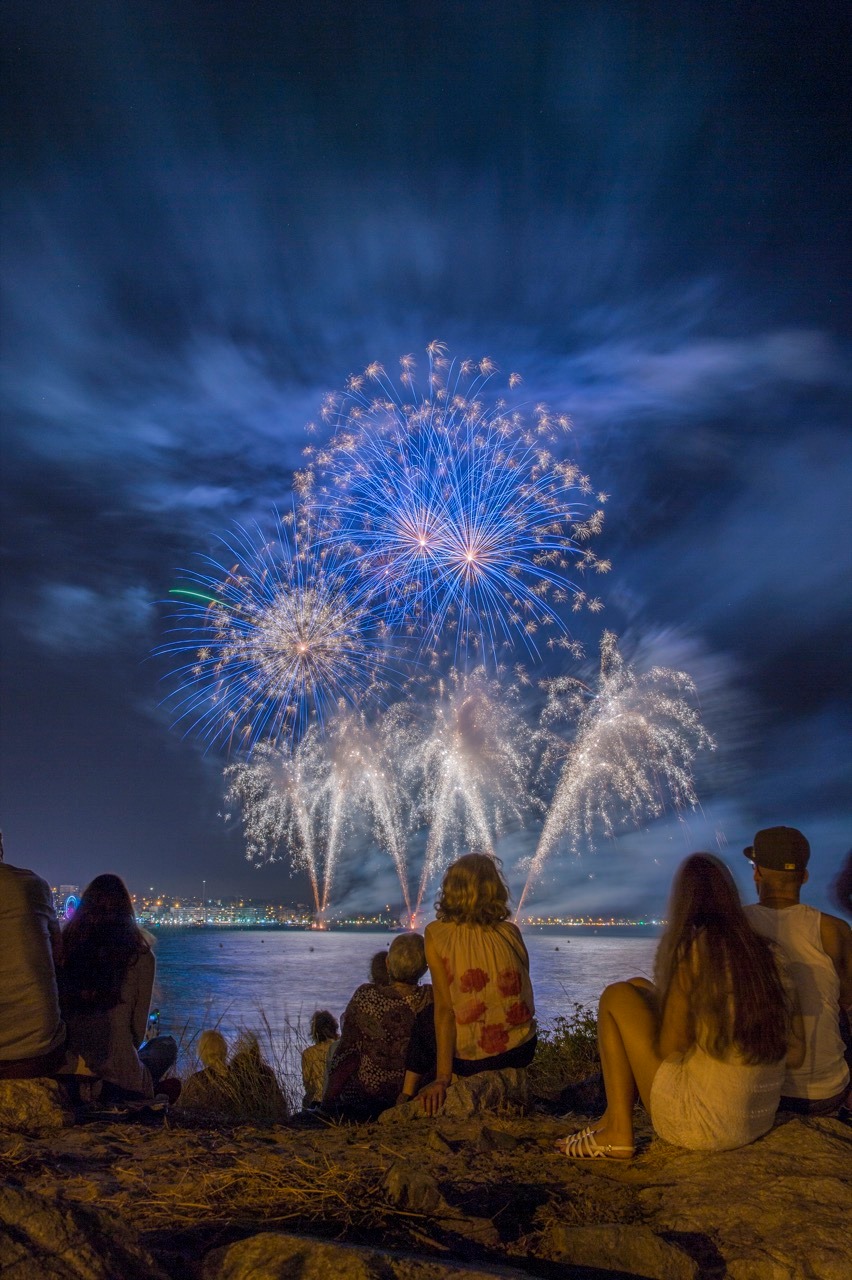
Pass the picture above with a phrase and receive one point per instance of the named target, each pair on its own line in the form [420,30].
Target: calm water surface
[237,979]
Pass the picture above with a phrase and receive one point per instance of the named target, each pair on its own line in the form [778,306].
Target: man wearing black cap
[818,948]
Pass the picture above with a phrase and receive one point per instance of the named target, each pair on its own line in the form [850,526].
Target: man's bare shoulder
[836,935]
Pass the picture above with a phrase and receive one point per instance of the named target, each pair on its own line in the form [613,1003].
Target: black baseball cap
[779,849]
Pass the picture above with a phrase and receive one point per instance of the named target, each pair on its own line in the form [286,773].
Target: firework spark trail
[458,512]
[469,768]
[274,792]
[276,639]
[354,777]
[636,740]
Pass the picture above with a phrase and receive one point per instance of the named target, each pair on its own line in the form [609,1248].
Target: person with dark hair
[324,1035]
[484,1008]
[818,949]
[32,1033]
[705,1046]
[256,1091]
[379,969]
[106,977]
[372,1061]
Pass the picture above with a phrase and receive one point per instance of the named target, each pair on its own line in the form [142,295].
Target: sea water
[272,981]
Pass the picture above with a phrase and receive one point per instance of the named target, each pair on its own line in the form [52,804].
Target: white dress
[709,1104]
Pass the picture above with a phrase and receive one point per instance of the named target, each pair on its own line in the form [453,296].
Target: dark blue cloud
[212,217]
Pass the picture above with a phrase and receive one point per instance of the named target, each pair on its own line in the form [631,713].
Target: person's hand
[434,1096]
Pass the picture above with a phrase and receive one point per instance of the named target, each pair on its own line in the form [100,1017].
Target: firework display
[468,768]
[355,665]
[458,512]
[273,639]
[636,737]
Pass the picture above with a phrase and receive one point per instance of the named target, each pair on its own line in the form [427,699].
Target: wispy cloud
[74,620]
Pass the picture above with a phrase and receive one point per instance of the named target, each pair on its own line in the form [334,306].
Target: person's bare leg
[648,992]
[627,1029]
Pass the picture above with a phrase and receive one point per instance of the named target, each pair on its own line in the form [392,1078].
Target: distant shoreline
[554,930]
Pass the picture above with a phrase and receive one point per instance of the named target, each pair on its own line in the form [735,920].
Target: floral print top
[490,989]
[370,1058]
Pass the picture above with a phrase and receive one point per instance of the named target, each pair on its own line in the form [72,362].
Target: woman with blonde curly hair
[484,1010]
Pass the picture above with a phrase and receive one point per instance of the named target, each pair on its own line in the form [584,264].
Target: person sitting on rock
[32,1033]
[106,977]
[373,1062]
[207,1090]
[484,1008]
[818,948]
[255,1091]
[705,1048]
[324,1035]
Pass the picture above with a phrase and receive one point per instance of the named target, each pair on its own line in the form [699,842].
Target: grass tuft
[567,1052]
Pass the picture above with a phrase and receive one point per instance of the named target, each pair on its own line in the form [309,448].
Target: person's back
[103,1042]
[255,1091]
[105,981]
[372,1059]
[32,1033]
[818,949]
[208,1090]
[324,1034]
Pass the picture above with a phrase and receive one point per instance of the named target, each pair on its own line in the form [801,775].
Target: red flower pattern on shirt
[518,1013]
[473,980]
[471,1012]
[494,1039]
[447,970]
[509,982]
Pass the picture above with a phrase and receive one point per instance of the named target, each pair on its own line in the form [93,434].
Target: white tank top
[796,930]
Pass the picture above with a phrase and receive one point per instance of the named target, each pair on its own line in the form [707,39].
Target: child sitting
[324,1035]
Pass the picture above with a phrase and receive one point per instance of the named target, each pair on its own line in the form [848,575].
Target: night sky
[215,212]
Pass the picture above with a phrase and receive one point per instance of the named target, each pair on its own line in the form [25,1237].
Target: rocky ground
[416,1199]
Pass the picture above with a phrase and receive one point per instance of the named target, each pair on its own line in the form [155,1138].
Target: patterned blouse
[490,989]
[370,1058]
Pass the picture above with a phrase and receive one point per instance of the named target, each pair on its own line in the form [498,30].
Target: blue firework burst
[275,634]
[457,511]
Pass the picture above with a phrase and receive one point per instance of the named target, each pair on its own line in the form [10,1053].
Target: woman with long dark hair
[705,1046]
[105,982]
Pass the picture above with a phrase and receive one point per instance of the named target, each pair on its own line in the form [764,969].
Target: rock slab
[632,1248]
[31,1106]
[45,1239]
[278,1256]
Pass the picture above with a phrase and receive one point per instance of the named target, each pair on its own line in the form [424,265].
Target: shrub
[567,1052]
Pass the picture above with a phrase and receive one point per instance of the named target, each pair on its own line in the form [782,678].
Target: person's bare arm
[677,1031]
[837,941]
[410,1083]
[445,1033]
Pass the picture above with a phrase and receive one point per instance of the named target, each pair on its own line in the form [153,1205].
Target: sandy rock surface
[31,1106]
[481,1193]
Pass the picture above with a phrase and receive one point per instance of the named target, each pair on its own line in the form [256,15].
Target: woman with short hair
[374,1060]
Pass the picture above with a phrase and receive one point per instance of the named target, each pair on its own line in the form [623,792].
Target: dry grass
[258,1085]
[270,1190]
